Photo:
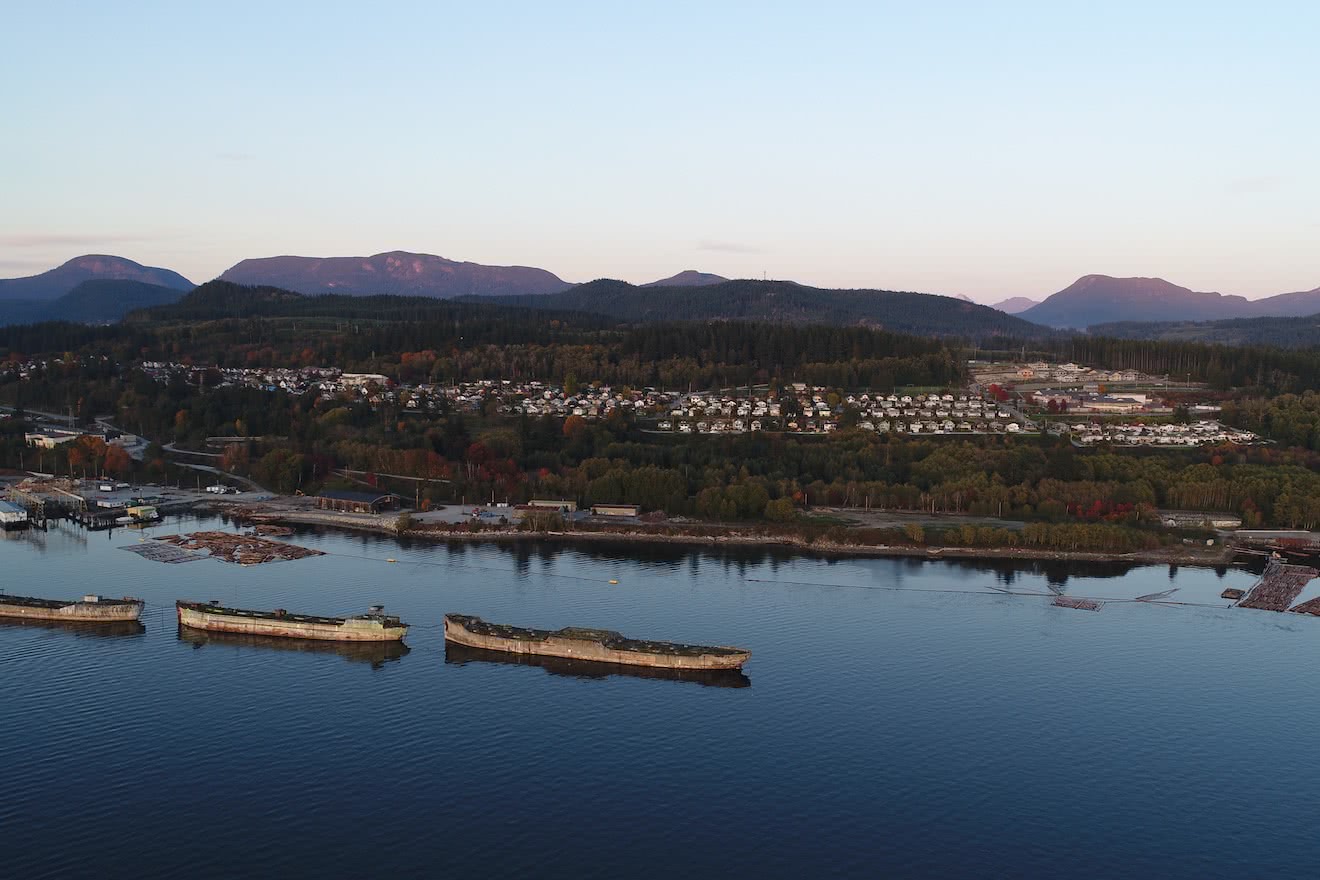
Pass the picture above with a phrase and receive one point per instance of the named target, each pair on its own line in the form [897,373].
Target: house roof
[350,495]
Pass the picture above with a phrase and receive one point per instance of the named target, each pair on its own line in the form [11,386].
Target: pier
[100,518]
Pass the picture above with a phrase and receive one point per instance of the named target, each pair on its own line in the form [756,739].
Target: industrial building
[615,509]
[555,504]
[348,501]
[13,516]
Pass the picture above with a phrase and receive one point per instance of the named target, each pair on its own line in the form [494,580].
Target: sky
[986,149]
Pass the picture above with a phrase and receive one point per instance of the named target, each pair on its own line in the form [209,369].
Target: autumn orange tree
[117,461]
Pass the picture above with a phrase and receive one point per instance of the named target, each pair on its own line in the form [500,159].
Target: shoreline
[383,525]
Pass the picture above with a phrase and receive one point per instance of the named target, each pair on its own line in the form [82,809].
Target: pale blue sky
[992,149]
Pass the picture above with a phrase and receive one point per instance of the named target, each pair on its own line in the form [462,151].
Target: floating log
[1076,602]
[272,531]
[1278,586]
[159,551]
[239,549]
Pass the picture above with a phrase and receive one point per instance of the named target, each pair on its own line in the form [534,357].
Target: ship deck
[34,602]
[605,637]
[205,608]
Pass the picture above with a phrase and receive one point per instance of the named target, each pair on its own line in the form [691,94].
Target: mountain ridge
[97,301]
[392,273]
[789,302]
[1104,299]
[1289,331]
[688,278]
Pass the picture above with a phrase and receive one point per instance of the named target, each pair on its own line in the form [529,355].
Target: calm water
[885,732]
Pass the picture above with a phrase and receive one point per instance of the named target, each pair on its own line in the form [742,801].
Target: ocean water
[898,718]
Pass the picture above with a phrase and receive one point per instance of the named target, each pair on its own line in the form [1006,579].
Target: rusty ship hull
[89,609]
[371,627]
[595,645]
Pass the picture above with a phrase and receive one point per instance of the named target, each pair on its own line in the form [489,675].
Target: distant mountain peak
[688,278]
[56,282]
[1015,304]
[1100,299]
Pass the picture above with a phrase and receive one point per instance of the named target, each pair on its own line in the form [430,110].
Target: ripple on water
[891,727]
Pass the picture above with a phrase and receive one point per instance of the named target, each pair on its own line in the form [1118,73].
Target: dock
[97,518]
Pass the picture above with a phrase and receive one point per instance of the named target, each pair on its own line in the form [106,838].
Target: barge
[374,626]
[597,645]
[88,609]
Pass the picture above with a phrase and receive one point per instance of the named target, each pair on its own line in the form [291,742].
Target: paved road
[882,519]
[252,487]
[175,450]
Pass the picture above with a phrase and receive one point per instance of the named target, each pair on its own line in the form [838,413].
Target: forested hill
[415,339]
[56,282]
[1280,332]
[99,301]
[216,300]
[784,301]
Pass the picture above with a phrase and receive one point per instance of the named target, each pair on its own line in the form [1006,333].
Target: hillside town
[1022,405]
[1201,433]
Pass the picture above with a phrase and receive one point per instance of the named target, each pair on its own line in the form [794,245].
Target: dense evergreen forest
[414,339]
[1269,370]
[785,301]
[96,301]
[1277,332]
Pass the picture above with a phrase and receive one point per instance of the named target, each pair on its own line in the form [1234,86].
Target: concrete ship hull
[368,628]
[597,646]
[90,609]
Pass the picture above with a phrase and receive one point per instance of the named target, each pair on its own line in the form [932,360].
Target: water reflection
[80,628]
[743,558]
[375,653]
[727,678]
